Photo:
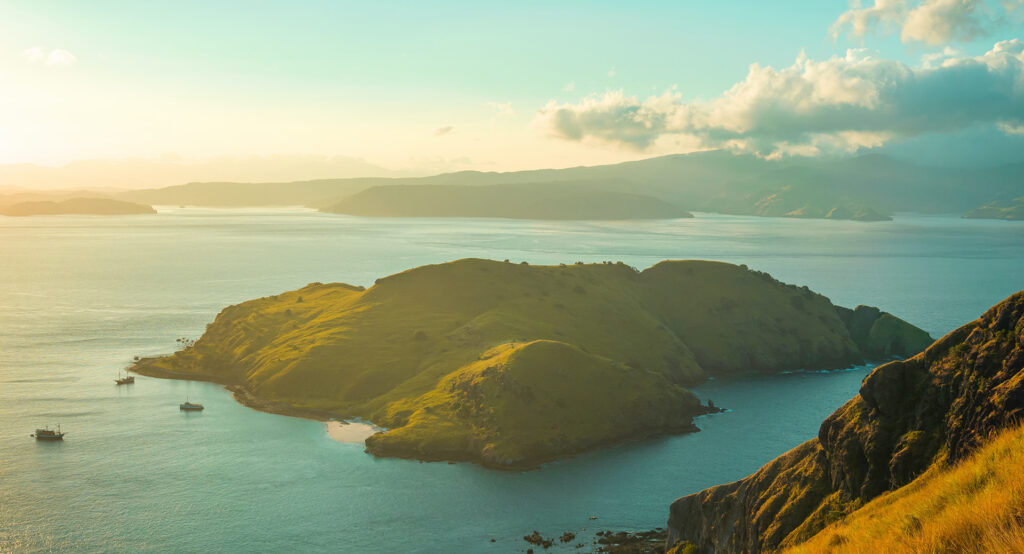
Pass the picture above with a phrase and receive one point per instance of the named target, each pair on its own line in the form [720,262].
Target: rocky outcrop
[880,335]
[935,407]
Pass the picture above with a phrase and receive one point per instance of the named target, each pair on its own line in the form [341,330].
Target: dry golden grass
[974,506]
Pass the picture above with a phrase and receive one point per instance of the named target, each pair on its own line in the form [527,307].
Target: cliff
[925,413]
[511,365]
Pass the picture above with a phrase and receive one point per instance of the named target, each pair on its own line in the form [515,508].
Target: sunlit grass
[974,506]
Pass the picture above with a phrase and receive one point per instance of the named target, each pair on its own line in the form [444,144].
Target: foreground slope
[974,506]
[511,365]
[911,417]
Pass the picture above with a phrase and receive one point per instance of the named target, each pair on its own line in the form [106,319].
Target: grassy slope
[974,506]
[390,353]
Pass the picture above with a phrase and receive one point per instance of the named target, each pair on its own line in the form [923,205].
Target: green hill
[511,365]
[883,473]
[76,206]
[529,201]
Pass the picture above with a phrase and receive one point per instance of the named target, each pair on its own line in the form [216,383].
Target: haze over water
[79,296]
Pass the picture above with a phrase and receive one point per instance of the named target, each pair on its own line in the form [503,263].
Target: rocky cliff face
[932,408]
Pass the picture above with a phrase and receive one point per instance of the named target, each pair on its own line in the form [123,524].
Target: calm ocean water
[79,296]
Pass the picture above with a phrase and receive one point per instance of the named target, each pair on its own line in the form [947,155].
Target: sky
[430,86]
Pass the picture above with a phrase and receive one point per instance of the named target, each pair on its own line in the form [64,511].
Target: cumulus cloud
[843,103]
[443,130]
[57,56]
[931,21]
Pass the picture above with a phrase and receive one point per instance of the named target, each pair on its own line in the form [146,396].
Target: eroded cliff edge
[935,407]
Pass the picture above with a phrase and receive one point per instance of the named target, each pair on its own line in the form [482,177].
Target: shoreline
[245,397]
[239,392]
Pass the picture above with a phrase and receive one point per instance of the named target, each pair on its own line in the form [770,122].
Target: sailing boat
[126,380]
[189,406]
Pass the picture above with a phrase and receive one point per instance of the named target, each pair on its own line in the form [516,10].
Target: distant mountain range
[556,200]
[869,187]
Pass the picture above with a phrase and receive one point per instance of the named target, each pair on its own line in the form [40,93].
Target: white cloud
[443,130]
[861,20]
[611,72]
[570,86]
[843,103]
[934,22]
[60,57]
[34,54]
[57,56]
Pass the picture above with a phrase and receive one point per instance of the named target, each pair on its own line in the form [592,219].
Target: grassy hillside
[80,206]
[912,420]
[511,364]
[519,201]
[974,506]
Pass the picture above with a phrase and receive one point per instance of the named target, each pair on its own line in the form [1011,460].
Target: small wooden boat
[190,406]
[47,434]
[126,380]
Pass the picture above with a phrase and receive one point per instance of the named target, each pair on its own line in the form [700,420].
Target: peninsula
[512,365]
[76,206]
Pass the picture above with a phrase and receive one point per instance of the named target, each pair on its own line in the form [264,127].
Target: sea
[80,296]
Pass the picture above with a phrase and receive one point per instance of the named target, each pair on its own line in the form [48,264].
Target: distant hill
[511,365]
[926,458]
[237,195]
[76,206]
[1002,209]
[530,201]
[867,188]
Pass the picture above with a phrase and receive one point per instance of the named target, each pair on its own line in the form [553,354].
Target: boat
[126,380]
[190,406]
[47,434]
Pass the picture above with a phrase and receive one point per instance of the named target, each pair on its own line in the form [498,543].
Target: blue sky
[438,85]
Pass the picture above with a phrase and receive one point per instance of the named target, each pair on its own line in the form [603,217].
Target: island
[511,365]
[1001,209]
[928,457]
[76,206]
[516,201]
